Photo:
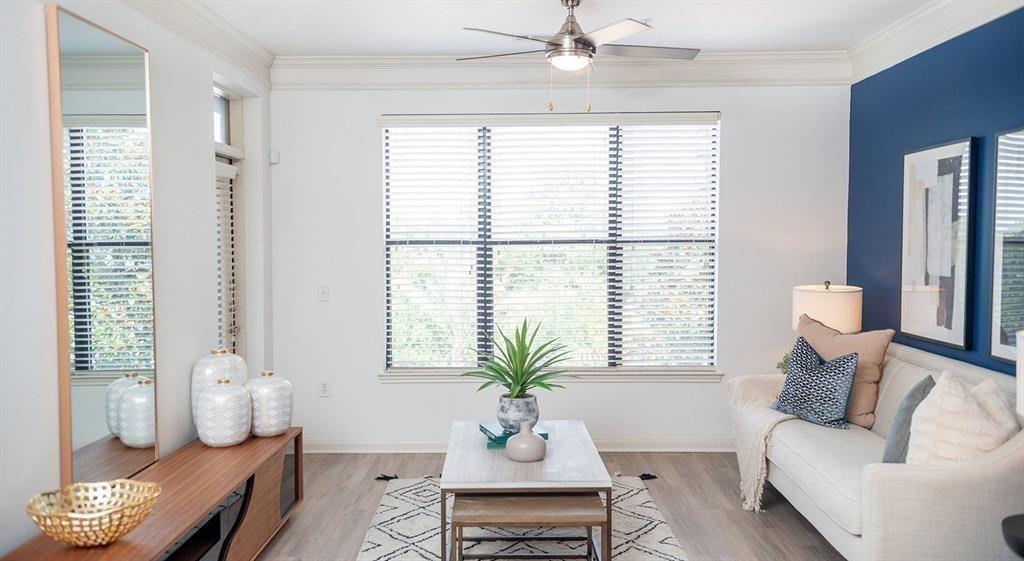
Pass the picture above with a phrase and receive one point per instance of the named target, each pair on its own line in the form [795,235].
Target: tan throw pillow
[954,423]
[870,347]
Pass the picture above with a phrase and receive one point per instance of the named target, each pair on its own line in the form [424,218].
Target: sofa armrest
[943,511]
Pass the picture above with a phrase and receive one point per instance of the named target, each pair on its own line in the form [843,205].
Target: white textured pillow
[954,423]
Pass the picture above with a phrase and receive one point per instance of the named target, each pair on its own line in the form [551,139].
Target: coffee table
[572,465]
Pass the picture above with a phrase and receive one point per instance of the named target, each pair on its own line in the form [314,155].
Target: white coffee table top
[572,462]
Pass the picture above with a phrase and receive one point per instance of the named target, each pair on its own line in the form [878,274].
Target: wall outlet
[324,388]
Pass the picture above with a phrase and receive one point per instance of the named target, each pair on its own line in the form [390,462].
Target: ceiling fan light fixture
[570,62]
[572,50]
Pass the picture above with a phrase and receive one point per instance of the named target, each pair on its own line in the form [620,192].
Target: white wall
[28,365]
[181,78]
[783,222]
[88,413]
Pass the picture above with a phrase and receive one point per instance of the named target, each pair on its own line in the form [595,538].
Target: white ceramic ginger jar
[136,415]
[271,404]
[214,366]
[113,397]
[223,414]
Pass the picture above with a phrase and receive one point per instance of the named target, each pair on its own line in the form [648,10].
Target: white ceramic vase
[113,398]
[136,415]
[223,414]
[526,446]
[271,404]
[214,366]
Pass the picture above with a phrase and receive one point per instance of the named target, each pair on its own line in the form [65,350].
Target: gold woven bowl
[90,514]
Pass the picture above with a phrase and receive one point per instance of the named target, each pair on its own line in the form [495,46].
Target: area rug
[406,527]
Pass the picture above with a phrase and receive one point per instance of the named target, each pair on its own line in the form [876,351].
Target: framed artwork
[1008,249]
[937,200]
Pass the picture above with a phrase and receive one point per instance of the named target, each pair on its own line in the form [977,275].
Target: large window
[603,229]
[228,157]
[110,266]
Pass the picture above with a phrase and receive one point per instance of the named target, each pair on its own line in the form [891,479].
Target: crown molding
[200,24]
[439,73]
[932,24]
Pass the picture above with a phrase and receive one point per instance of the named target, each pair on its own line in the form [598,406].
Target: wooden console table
[195,480]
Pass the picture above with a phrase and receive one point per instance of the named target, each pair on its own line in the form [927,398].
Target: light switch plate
[323,292]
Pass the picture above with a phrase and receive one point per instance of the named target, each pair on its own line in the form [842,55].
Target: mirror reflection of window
[1008,258]
[110,268]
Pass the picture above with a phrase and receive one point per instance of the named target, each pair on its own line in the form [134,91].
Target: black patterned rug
[406,527]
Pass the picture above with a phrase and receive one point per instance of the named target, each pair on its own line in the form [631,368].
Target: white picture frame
[935,274]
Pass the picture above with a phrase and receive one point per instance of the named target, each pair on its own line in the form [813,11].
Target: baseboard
[604,445]
[666,445]
[373,447]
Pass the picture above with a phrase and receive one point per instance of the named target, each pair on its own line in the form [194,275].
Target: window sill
[103,377]
[679,375]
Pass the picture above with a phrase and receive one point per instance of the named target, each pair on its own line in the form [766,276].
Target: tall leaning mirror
[100,142]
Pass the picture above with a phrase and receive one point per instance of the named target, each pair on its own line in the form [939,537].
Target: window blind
[605,234]
[227,305]
[110,268]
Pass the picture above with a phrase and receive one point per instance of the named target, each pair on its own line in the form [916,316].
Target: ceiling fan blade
[526,37]
[502,54]
[613,32]
[672,53]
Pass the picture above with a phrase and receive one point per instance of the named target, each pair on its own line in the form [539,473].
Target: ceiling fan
[571,49]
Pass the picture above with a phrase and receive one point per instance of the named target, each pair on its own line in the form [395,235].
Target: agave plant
[518,365]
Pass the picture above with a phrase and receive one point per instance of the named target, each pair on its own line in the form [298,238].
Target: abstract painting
[936,226]
[1008,253]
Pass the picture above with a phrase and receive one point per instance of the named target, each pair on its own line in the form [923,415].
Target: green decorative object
[518,365]
[783,363]
[497,437]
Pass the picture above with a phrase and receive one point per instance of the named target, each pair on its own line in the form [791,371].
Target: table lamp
[835,305]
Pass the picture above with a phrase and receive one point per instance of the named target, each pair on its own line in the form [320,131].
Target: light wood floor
[697,493]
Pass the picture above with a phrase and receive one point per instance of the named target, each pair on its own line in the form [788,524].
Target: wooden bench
[563,510]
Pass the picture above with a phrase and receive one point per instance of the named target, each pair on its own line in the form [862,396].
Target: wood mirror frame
[53,14]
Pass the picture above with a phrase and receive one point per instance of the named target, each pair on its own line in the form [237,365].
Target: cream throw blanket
[750,400]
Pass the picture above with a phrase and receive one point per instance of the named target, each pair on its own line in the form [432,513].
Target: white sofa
[875,511]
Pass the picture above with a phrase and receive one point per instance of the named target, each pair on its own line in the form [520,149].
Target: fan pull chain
[551,88]
[588,88]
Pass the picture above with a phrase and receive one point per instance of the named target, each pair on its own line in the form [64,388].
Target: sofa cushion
[897,440]
[899,378]
[816,390]
[870,347]
[955,423]
[827,465]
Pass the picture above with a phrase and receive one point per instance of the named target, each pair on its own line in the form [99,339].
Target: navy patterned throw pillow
[817,390]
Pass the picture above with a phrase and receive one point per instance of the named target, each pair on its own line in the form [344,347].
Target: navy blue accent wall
[971,85]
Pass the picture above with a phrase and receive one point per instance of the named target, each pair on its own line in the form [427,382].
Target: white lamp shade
[837,306]
[1020,372]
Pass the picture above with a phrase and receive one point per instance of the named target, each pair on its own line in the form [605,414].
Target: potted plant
[520,366]
[783,365]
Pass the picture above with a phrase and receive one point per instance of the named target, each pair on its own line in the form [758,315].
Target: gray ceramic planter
[512,413]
